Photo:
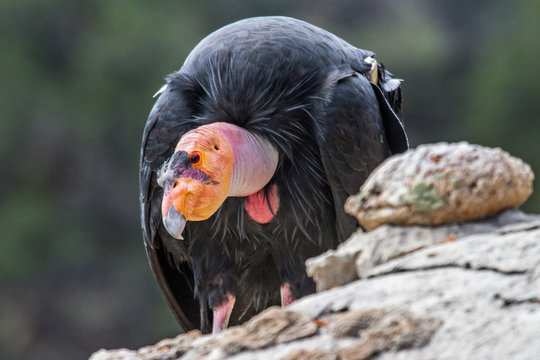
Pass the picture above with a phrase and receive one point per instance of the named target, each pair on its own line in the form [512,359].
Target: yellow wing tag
[372,74]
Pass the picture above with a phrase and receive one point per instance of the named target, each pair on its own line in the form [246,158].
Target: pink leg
[222,314]
[286,295]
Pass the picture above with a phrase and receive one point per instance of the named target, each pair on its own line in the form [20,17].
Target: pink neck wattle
[255,160]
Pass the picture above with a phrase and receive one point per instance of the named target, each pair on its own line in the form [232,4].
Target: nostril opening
[175,184]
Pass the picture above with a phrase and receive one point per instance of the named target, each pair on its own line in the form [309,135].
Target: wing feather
[169,119]
[354,139]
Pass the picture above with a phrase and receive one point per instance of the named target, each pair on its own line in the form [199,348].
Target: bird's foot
[286,294]
[222,313]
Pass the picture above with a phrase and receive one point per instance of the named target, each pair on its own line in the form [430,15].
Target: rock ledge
[441,183]
[465,291]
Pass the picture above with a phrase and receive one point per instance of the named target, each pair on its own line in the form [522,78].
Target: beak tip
[174,223]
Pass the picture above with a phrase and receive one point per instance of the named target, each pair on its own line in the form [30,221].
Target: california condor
[247,158]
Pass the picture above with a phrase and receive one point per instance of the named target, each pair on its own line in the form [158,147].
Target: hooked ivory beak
[174,223]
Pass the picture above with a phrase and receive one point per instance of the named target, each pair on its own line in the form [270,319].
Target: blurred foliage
[77,85]
[503,105]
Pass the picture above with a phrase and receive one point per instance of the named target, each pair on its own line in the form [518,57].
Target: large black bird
[247,158]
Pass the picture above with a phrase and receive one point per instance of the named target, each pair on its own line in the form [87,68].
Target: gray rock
[506,253]
[440,183]
[356,257]
[474,296]
[484,287]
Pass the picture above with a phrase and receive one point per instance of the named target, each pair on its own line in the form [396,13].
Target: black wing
[358,130]
[169,119]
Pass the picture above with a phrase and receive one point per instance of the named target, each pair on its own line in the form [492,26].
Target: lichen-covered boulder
[441,183]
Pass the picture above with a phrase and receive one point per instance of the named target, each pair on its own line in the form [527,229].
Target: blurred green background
[77,79]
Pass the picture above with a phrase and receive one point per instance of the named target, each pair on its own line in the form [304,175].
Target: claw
[222,313]
[286,295]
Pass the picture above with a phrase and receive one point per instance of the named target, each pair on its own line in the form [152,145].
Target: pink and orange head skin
[225,160]
[201,189]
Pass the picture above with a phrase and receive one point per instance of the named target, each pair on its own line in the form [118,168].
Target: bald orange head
[196,179]
[210,163]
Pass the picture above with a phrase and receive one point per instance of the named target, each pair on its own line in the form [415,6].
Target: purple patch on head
[195,174]
[179,166]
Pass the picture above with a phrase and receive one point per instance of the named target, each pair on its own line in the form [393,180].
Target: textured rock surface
[485,288]
[277,333]
[462,291]
[440,183]
[356,257]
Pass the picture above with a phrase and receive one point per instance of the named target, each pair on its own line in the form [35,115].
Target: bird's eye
[216,147]
[195,158]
